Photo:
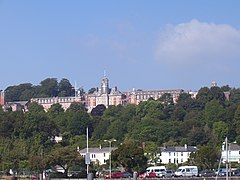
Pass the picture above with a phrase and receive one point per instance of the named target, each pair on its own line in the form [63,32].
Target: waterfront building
[176,154]
[98,155]
[231,154]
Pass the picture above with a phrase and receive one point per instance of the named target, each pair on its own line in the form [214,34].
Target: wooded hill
[203,122]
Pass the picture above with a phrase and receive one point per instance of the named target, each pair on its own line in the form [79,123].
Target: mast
[226,143]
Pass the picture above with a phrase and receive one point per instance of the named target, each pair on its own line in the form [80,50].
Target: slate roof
[180,149]
[233,147]
[97,150]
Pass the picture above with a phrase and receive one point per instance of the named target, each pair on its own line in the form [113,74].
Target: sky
[141,44]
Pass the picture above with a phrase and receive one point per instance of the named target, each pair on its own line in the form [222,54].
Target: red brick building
[2,98]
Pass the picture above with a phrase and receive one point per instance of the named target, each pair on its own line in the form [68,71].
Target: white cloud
[198,43]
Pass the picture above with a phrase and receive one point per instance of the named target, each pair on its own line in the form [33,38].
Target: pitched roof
[97,150]
[179,149]
[233,147]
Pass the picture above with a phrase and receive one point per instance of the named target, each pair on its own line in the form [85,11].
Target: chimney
[100,146]
[185,146]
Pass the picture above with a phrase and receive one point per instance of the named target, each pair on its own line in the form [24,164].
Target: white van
[160,171]
[186,171]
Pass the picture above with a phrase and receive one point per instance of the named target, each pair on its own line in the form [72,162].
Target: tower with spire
[106,96]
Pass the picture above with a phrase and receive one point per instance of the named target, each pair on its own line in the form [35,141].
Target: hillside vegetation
[26,137]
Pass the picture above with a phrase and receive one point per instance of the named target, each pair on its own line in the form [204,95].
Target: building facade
[17,106]
[137,96]
[2,98]
[98,155]
[232,154]
[105,95]
[176,155]
[65,102]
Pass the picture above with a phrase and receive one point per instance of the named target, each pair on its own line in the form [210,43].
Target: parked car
[115,175]
[143,175]
[127,174]
[221,172]
[160,171]
[187,171]
[147,175]
[236,172]
[169,174]
[34,177]
[207,173]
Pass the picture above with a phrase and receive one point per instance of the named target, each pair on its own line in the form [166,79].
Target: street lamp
[110,150]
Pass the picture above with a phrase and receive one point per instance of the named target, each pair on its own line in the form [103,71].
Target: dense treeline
[203,122]
[49,87]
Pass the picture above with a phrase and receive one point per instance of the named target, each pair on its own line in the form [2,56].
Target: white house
[176,155]
[233,153]
[98,155]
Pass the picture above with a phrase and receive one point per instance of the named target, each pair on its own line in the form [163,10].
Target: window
[181,153]
[169,160]
[169,153]
[104,154]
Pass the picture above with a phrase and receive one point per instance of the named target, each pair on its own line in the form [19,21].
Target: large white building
[176,155]
[232,154]
[98,155]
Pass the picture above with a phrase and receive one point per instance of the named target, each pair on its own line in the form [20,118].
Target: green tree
[55,109]
[64,157]
[131,157]
[78,122]
[237,123]
[76,106]
[65,88]
[19,92]
[204,95]
[98,110]
[166,98]
[35,107]
[207,157]
[235,96]
[116,130]
[214,112]
[178,113]
[38,127]
[101,129]
[226,88]
[218,94]
[220,130]
[49,87]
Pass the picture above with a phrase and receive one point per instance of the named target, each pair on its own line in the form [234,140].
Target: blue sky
[141,44]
